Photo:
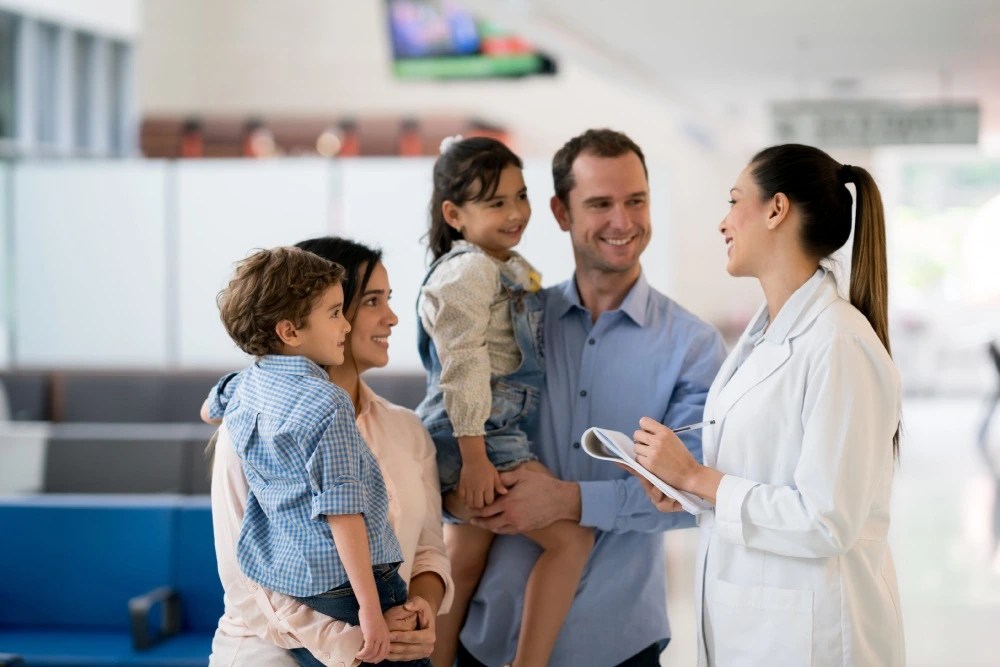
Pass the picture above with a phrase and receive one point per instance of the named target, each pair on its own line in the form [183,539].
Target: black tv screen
[440,39]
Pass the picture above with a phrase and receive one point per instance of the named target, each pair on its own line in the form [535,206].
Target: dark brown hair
[358,260]
[601,143]
[270,286]
[816,184]
[468,170]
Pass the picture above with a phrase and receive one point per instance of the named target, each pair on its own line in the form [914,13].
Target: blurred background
[147,145]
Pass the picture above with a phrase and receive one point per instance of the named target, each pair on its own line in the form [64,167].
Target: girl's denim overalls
[515,396]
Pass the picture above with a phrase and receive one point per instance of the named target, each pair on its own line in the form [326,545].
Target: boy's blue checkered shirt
[304,459]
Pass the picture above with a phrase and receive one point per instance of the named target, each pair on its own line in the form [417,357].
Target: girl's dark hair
[816,184]
[468,170]
[357,259]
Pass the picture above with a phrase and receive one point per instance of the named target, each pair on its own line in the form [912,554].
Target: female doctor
[793,566]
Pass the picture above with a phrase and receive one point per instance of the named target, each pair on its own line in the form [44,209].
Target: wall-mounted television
[439,39]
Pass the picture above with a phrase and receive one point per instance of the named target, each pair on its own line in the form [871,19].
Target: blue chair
[86,576]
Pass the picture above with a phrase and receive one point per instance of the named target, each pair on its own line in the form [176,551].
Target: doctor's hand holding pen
[661,452]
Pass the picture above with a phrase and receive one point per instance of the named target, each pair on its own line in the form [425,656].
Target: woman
[258,625]
[794,567]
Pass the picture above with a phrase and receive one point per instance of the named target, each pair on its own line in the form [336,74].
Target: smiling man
[616,350]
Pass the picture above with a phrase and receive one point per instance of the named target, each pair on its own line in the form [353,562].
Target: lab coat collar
[795,317]
[801,309]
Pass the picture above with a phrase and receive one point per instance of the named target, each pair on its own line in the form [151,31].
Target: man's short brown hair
[601,143]
[270,286]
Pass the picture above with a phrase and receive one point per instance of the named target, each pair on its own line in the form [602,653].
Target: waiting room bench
[72,565]
[135,396]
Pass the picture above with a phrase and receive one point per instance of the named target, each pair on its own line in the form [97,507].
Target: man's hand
[413,643]
[534,500]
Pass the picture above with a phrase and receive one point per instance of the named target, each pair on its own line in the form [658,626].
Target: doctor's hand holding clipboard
[661,452]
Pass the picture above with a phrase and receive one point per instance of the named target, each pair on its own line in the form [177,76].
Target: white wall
[119,263]
[90,274]
[112,18]
[224,210]
[304,57]
[300,57]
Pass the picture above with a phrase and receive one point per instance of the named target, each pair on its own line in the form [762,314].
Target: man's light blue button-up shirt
[650,357]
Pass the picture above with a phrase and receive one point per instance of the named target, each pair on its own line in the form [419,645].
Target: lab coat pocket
[756,625]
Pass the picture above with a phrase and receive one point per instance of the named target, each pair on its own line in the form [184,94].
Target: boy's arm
[351,538]
[334,470]
[206,413]
[214,406]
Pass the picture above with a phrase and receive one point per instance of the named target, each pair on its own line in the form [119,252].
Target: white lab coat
[793,565]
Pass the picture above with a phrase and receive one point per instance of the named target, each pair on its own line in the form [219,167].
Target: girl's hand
[479,483]
[661,452]
[376,634]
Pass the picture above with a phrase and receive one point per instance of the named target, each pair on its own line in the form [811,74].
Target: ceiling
[726,59]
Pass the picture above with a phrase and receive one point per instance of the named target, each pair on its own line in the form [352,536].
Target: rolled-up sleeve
[218,397]
[455,309]
[334,467]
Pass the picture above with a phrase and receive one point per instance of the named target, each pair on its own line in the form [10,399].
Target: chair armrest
[11,660]
[139,609]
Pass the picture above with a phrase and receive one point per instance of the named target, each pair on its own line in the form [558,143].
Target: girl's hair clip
[448,142]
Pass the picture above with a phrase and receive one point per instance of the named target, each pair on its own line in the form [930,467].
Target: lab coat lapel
[775,349]
[765,360]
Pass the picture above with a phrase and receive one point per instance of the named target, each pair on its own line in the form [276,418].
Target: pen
[691,427]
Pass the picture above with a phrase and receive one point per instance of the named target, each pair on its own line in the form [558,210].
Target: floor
[941,537]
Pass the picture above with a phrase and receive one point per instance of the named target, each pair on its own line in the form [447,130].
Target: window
[47,84]
[8,102]
[83,90]
[118,97]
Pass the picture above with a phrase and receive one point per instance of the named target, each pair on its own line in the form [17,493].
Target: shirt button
[576,445]
[253,587]
[591,341]
[583,392]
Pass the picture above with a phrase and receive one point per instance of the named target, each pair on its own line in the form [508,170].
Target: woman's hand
[479,482]
[376,635]
[661,452]
[416,642]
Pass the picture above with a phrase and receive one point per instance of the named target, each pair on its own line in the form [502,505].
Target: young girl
[479,338]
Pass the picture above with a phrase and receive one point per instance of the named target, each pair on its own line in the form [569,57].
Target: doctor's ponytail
[869,267]
[817,185]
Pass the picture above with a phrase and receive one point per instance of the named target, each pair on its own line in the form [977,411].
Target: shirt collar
[291,365]
[567,297]
[366,399]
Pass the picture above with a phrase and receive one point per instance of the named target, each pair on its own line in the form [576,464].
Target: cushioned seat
[72,563]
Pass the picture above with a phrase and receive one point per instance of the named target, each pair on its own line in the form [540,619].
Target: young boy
[316,523]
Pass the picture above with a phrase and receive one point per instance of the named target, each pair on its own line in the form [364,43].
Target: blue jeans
[341,604]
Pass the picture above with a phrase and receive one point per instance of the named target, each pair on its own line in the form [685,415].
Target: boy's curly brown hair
[270,286]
